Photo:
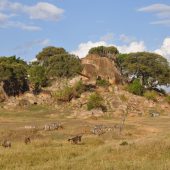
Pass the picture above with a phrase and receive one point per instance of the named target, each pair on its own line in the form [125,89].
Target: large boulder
[95,66]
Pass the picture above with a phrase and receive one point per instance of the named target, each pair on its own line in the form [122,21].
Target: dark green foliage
[136,88]
[64,65]
[151,68]
[13,75]
[102,82]
[48,52]
[109,52]
[95,101]
[37,77]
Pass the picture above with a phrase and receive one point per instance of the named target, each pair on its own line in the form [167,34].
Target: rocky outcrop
[95,66]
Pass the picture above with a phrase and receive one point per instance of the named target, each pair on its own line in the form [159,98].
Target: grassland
[148,143]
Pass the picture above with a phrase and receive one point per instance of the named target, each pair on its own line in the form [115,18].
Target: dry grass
[148,144]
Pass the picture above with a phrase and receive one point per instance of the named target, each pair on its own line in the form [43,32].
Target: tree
[13,76]
[48,52]
[37,77]
[64,65]
[109,52]
[152,69]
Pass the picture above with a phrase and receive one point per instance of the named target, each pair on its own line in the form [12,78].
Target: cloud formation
[83,48]
[40,11]
[162,12]
[164,50]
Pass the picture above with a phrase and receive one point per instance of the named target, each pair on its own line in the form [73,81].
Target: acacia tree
[152,69]
[13,76]
[48,52]
[64,65]
[109,52]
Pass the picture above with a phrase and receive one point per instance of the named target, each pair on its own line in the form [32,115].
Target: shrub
[65,94]
[136,88]
[151,95]
[102,82]
[123,98]
[79,88]
[95,101]
[168,99]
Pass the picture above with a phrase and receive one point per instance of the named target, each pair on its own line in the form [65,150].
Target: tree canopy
[48,52]
[13,75]
[152,69]
[37,77]
[109,52]
[65,65]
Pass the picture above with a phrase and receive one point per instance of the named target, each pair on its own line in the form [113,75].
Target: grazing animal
[75,140]
[53,126]
[155,114]
[6,144]
[27,140]
[100,129]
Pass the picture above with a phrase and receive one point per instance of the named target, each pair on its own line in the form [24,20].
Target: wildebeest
[27,140]
[75,139]
[6,144]
[53,126]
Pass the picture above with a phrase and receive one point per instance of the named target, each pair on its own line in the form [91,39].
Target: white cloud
[162,12]
[41,10]
[83,48]
[44,11]
[132,47]
[165,49]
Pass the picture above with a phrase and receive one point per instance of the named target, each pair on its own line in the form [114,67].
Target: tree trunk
[2,90]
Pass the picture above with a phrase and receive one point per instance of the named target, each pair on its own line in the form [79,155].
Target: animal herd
[96,130]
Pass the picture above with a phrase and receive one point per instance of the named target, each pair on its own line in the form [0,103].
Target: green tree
[152,69]
[64,65]
[37,77]
[48,52]
[13,76]
[109,52]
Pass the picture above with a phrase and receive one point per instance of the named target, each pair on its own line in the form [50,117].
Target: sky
[27,26]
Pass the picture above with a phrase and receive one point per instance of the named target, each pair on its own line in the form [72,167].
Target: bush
[123,98]
[95,101]
[136,88]
[65,94]
[151,95]
[102,82]
[168,99]
[79,88]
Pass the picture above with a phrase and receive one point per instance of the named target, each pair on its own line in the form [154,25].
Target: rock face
[94,66]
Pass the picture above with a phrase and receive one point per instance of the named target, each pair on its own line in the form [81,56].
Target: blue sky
[77,25]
